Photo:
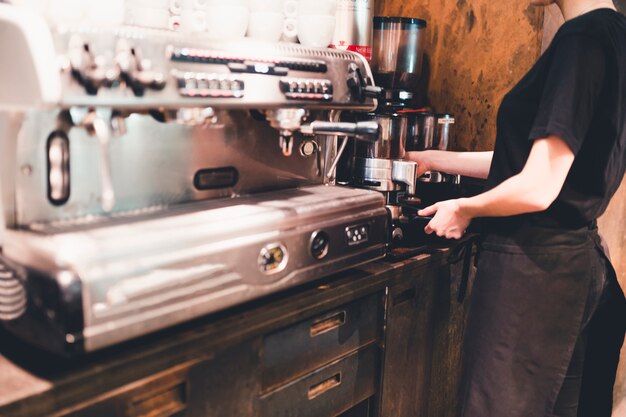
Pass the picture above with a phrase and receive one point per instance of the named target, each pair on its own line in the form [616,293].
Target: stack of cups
[157,14]
[316,22]
[193,16]
[266,20]
[290,27]
[226,20]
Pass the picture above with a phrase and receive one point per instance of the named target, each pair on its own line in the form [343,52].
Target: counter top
[34,383]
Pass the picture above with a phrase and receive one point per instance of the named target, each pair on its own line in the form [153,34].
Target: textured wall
[476,52]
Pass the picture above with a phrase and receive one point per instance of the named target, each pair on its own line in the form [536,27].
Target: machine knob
[397,235]
[135,71]
[320,244]
[88,69]
[359,87]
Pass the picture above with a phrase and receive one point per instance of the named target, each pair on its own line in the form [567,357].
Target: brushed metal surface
[146,246]
[141,276]
[152,165]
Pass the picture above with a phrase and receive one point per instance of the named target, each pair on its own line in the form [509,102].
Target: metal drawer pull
[323,387]
[328,324]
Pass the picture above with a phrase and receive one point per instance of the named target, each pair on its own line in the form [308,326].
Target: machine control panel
[238,63]
[303,89]
[199,84]
[132,68]
[357,235]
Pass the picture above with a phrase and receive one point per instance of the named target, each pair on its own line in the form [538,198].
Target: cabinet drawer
[328,391]
[163,395]
[299,349]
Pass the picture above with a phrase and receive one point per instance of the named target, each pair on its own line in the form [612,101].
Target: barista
[547,316]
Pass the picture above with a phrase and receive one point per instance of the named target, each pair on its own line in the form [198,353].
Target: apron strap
[463,252]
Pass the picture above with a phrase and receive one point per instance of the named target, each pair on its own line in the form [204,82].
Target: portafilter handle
[367,131]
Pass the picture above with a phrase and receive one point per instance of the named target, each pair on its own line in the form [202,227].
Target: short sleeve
[572,90]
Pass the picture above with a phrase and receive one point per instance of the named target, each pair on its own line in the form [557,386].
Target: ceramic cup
[316,30]
[226,22]
[147,17]
[194,5]
[265,6]
[290,30]
[152,4]
[193,21]
[266,26]
[317,7]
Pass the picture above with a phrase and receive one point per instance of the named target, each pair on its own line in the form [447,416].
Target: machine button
[191,83]
[214,84]
[203,82]
[320,244]
[357,235]
[273,259]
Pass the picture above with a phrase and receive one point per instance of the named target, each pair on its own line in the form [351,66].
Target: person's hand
[423,161]
[448,221]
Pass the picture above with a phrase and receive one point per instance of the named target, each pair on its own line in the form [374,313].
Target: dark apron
[528,305]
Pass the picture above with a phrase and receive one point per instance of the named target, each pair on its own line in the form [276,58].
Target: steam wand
[96,126]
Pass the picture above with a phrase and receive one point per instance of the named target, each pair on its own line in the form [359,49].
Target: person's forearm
[517,195]
[469,164]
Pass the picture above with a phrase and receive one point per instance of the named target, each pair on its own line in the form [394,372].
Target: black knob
[359,87]
[320,244]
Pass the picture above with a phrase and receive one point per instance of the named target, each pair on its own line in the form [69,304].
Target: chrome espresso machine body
[148,178]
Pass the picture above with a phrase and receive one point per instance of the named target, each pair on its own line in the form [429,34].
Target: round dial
[273,258]
[320,243]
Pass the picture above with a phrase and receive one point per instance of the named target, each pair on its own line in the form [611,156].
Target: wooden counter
[376,321]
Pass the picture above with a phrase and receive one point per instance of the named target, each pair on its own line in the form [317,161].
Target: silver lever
[367,131]
[101,130]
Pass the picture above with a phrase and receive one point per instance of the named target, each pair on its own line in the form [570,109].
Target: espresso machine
[148,178]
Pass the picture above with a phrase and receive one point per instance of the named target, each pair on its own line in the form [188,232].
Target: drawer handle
[325,386]
[328,324]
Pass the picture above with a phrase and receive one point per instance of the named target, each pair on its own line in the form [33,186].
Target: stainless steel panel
[153,165]
[141,276]
[261,91]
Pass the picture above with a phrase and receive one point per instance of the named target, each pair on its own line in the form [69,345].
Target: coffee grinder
[405,125]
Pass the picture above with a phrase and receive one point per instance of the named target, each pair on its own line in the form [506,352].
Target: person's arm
[468,164]
[532,190]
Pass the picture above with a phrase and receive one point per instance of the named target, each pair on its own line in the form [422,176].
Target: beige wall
[476,50]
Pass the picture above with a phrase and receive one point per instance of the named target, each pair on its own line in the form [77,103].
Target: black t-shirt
[576,90]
